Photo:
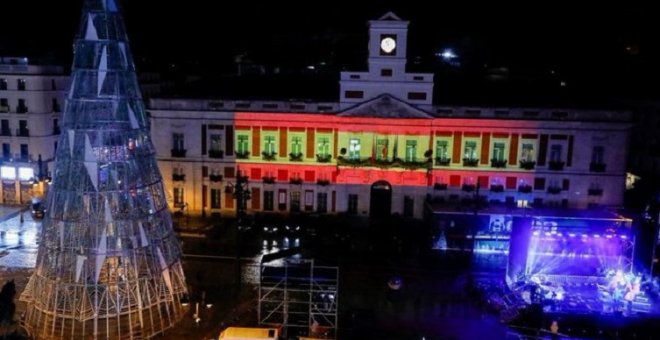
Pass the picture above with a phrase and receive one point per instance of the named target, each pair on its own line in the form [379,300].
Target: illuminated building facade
[384,148]
[31,101]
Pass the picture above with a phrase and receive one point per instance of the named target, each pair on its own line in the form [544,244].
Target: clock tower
[387,68]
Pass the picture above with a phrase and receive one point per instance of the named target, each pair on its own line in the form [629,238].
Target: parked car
[38,210]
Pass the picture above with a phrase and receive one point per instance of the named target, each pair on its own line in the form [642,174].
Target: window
[5,128]
[411,151]
[321,202]
[56,105]
[25,154]
[354,94]
[178,197]
[295,201]
[177,141]
[352,204]
[296,145]
[470,150]
[354,149]
[323,146]
[527,152]
[268,200]
[597,155]
[269,146]
[498,151]
[53,85]
[242,144]
[555,153]
[23,129]
[21,84]
[441,149]
[386,72]
[381,149]
[4,105]
[6,151]
[3,84]
[56,126]
[21,108]
[216,142]
[215,198]
[416,96]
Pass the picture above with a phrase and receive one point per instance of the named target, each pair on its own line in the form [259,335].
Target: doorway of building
[381,199]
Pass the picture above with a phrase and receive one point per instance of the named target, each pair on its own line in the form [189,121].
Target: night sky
[604,50]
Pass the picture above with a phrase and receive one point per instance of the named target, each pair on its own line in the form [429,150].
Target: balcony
[323,182]
[497,188]
[525,188]
[440,186]
[468,187]
[178,177]
[353,161]
[23,132]
[442,161]
[296,157]
[554,190]
[595,192]
[216,153]
[556,165]
[4,109]
[215,178]
[296,181]
[268,179]
[179,153]
[527,164]
[471,162]
[268,156]
[497,163]
[21,109]
[242,154]
[597,167]
[323,158]
[412,164]
[5,132]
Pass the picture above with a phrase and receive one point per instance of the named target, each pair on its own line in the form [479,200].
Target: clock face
[387,45]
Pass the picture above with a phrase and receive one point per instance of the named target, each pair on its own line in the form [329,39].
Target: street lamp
[241,194]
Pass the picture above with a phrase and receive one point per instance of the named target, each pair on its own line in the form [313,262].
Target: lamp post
[241,194]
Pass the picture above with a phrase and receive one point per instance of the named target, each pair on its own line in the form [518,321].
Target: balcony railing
[440,186]
[268,179]
[178,177]
[242,154]
[498,163]
[21,109]
[268,156]
[525,188]
[5,132]
[442,161]
[597,167]
[179,153]
[323,158]
[23,132]
[56,130]
[595,192]
[216,153]
[497,188]
[323,182]
[297,181]
[554,190]
[468,187]
[556,165]
[472,162]
[527,165]
[296,157]
[4,108]
[215,178]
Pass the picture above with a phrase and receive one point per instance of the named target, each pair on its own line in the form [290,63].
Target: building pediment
[384,106]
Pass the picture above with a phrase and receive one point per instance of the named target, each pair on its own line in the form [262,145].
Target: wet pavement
[18,238]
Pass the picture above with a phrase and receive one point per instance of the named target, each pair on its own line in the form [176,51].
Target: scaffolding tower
[299,297]
[109,263]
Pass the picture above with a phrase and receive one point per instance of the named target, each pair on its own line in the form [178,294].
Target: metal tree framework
[109,264]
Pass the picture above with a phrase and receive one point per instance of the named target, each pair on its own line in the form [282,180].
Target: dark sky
[605,46]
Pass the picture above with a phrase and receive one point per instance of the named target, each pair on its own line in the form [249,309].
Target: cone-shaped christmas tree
[109,262]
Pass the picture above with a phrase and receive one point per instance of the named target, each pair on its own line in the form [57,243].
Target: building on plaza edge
[109,263]
[385,148]
[31,100]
